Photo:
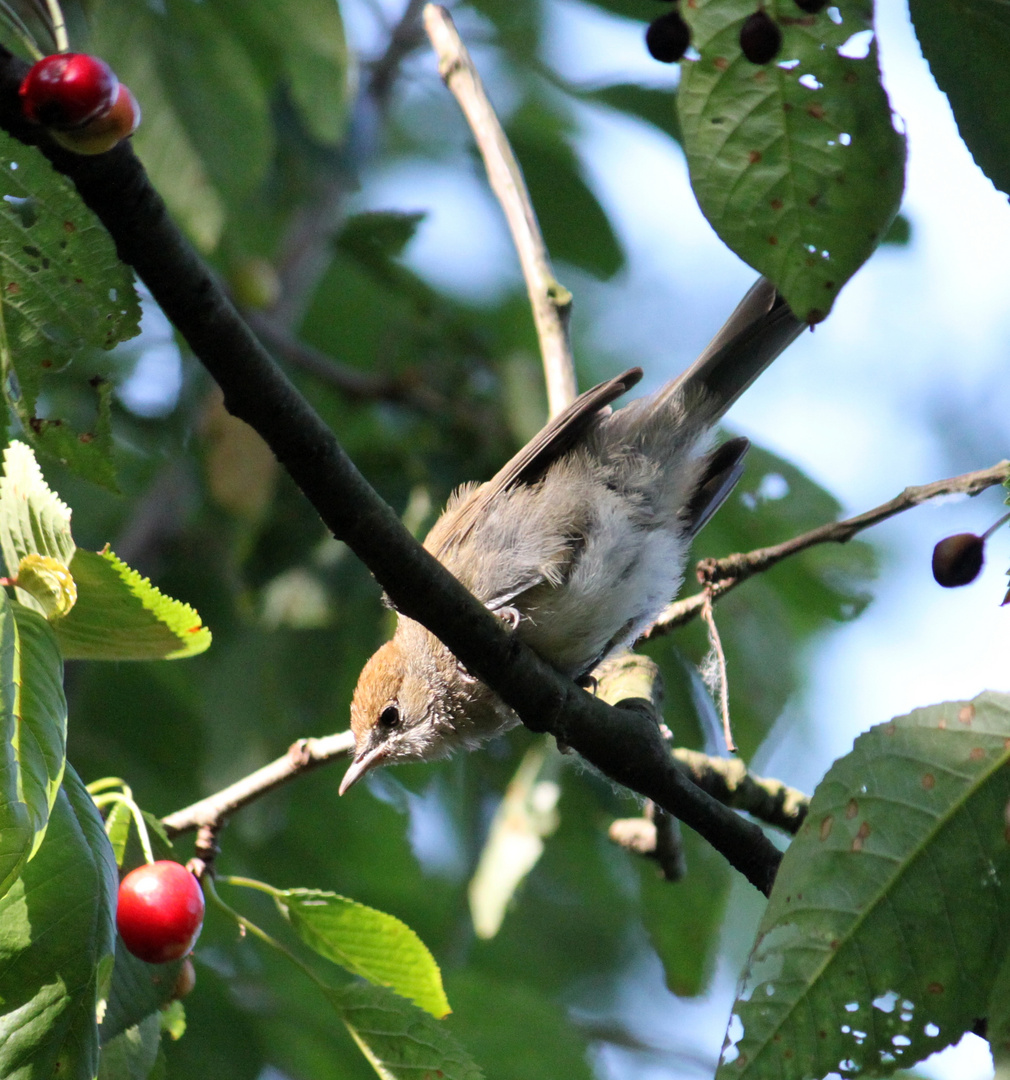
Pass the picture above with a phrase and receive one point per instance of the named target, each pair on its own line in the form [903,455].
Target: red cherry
[104,131]
[160,911]
[68,89]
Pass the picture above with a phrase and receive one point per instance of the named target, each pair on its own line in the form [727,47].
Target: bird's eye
[389,718]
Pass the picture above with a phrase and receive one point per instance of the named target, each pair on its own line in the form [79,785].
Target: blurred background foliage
[265,125]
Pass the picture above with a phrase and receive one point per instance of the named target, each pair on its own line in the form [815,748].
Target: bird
[577,543]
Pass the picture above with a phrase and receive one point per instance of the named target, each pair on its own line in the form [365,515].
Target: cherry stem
[992,528]
[208,887]
[125,798]
[57,25]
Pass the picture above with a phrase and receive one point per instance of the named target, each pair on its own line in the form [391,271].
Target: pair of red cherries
[78,98]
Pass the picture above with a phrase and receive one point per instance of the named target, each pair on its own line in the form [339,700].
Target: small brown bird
[578,542]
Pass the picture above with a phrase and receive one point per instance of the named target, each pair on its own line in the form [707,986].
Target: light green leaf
[40,708]
[400,1041]
[796,163]
[120,615]
[967,47]
[33,519]
[890,915]
[370,943]
[20,821]
[33,716]
[57,933]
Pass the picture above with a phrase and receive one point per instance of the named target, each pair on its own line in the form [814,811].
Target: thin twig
[302,756]
[721,679]
[721,575]
[550,300]
[404,38]
[352,381]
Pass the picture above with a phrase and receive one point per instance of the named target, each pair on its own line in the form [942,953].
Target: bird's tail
[760,328]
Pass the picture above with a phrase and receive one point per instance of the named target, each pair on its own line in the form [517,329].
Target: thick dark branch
[622,743]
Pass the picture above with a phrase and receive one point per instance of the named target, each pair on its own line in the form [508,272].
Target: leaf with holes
[63,289]
[795,162]
[890,916]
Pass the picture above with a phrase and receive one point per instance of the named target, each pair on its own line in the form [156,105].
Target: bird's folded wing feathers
[529,464]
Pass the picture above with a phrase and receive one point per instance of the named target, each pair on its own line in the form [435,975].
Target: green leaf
[309,58]
[133,1053]
[967,47]
[33,715]
[796,163]
[40,740]
[120,615]
[377,236]
[890,915]
[57,934]
[64,289]
[683,918]
[998,1020]
[575,225]
[539,1038]
[400,1041]
[137,991]
[33,519]
[370,943]
[656,107]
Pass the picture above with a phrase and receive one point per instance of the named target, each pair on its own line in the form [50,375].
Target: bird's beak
[364,761]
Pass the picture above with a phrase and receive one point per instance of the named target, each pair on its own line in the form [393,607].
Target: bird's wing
[723,468]
[529,464]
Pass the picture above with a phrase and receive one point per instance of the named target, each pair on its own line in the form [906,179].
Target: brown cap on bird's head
[374,711]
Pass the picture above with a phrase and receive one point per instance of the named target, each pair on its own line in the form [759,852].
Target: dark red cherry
[668,37]
[67,90]
[760,38]
[958,559]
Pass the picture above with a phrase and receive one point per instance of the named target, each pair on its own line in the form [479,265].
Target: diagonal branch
[302,756]
[719,576]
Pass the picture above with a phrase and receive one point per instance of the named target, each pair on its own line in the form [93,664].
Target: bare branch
[551,301]
[211,813]
[729,781]
[721,575]
[352,381]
